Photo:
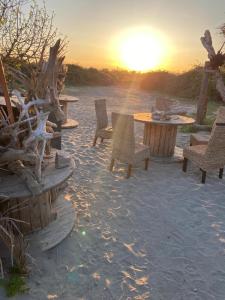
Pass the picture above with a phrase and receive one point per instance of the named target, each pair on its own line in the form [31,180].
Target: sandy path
[159,235]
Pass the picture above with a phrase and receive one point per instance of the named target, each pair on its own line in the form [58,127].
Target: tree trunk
[203,99]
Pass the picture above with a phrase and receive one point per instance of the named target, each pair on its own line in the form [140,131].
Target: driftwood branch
[8,155]
[207,43]
[18,168]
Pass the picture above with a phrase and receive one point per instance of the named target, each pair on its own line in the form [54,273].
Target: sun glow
[141,49]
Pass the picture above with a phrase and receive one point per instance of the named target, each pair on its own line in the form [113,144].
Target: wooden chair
[124,148]
[208,157]
[203,138]
[103,131]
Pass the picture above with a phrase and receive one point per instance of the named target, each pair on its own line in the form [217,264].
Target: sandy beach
[159,235]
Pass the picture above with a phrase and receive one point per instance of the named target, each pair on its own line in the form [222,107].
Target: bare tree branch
[26,31]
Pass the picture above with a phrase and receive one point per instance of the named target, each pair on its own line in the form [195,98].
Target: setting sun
[140,50]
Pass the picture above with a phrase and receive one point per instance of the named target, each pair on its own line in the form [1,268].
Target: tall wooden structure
[216,60]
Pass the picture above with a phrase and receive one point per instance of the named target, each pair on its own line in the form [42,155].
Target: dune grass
[15,283]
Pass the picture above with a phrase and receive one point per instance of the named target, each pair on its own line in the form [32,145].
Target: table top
[175,119]
[67,98]
[13,187]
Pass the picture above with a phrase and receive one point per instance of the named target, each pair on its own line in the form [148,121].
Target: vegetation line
[184,85]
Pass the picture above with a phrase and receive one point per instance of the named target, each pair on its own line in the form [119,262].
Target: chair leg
[221,173]
[185,162]
[203,176]
[146,163]
[102,140]
[129,171]
[95,140]
[111,164]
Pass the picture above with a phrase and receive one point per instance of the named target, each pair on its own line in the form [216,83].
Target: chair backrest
[101,113]
[123,136]
[220,117]
[215,151]
[163,104]
[114,117]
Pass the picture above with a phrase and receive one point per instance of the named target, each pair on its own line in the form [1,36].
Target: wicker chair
[208,157]
[103,131]
[124,148]
[203,138]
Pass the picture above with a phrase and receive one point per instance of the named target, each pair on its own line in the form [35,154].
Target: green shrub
[188,129]
[15,283]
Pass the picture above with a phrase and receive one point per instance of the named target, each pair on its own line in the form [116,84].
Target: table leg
[68,123]
[65,109]
[160,138]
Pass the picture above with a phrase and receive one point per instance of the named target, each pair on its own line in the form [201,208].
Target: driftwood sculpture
[24,142]
[30,133]
[216,60]
[43,81]
[37,141]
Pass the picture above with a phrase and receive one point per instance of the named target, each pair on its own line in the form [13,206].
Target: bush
[184,85]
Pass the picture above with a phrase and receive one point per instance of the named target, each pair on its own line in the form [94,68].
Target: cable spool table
[160,135]
[64,100]
[36,212]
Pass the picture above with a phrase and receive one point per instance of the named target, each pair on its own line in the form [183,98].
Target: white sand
[159,235]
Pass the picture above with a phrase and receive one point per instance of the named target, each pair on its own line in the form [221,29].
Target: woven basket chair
[208,157]
[203,138]
[103,131]
[124,147]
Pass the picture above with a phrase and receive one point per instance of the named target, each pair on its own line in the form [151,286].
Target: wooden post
[203,99]
[56,142]
[6,93]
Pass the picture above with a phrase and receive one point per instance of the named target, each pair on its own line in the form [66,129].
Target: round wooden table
[64,100]
[160,135]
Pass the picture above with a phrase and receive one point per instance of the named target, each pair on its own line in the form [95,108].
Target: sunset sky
[99,31]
